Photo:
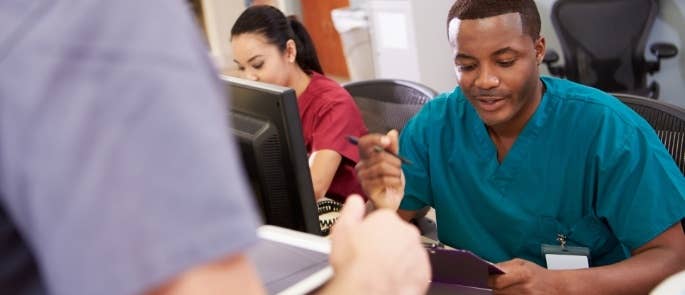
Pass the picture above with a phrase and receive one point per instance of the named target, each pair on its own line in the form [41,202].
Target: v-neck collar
[515,158]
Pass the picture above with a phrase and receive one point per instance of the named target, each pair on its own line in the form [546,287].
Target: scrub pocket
[589,232]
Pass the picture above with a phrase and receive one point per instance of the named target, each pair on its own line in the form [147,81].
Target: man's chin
[491,119]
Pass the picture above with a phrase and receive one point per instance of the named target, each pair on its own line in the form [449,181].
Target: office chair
[387,103]
[667,120]
[603,42]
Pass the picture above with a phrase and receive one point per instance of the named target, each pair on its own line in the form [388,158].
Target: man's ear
[540,48]
[290,50]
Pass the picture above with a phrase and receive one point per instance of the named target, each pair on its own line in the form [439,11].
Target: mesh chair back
[388,104]
[604,42]
[667,120]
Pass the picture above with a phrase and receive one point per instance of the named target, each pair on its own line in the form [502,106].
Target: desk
[292,262]
[445,289]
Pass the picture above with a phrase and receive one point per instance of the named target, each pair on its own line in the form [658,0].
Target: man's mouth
[490,103]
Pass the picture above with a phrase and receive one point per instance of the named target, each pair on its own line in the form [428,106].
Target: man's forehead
[508,21]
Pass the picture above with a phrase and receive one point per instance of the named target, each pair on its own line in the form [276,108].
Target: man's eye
[258,66]
[506,63]
[466,68]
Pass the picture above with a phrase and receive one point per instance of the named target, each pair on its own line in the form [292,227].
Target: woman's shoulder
[325,84]
[327,91]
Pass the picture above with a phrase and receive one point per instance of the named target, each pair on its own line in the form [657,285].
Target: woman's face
[259,60]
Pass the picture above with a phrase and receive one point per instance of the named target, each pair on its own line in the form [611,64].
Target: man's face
[497,66]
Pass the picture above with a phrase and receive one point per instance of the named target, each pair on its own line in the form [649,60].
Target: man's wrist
[387,200]
[562,281]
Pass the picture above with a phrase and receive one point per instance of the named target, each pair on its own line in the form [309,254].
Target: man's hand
[523,277]
[379,254]
[379,173]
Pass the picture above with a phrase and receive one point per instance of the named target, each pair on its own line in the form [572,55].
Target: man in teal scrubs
[512,161]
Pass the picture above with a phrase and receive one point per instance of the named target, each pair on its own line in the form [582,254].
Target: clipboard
[460,267]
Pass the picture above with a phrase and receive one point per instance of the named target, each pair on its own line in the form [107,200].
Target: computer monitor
[266,123]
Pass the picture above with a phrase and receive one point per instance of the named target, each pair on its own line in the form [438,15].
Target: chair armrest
[551,57]
[661,50]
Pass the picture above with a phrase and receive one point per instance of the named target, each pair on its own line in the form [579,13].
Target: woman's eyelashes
[255,66]
[258,65]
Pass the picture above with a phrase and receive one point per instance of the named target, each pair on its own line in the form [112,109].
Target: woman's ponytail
[306,53]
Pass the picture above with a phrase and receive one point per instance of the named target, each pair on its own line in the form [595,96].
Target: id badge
[560,257]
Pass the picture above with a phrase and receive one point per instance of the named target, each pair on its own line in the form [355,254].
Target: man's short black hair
[475,9]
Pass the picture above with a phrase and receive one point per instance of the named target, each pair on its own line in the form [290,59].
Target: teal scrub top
[585,166]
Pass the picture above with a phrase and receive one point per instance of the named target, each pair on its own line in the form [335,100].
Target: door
[316,16]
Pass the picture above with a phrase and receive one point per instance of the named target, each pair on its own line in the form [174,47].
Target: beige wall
[219,17]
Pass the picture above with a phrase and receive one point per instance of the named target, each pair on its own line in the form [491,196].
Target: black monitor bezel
[294,141]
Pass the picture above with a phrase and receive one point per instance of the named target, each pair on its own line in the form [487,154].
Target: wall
[436,66]
[668,27]
[357,3]
[409,42]
[292,7]
[219,16]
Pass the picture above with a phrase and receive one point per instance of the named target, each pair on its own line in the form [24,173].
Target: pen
[378,149]
[433,245]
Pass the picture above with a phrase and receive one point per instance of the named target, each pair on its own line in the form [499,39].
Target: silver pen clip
[562,240]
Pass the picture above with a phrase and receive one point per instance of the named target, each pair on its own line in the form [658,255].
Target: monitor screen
[266,123]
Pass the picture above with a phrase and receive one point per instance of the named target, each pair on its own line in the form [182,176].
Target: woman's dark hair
[475,9]
[277,29]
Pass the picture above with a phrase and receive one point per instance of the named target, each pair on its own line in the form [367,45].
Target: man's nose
[487,79]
